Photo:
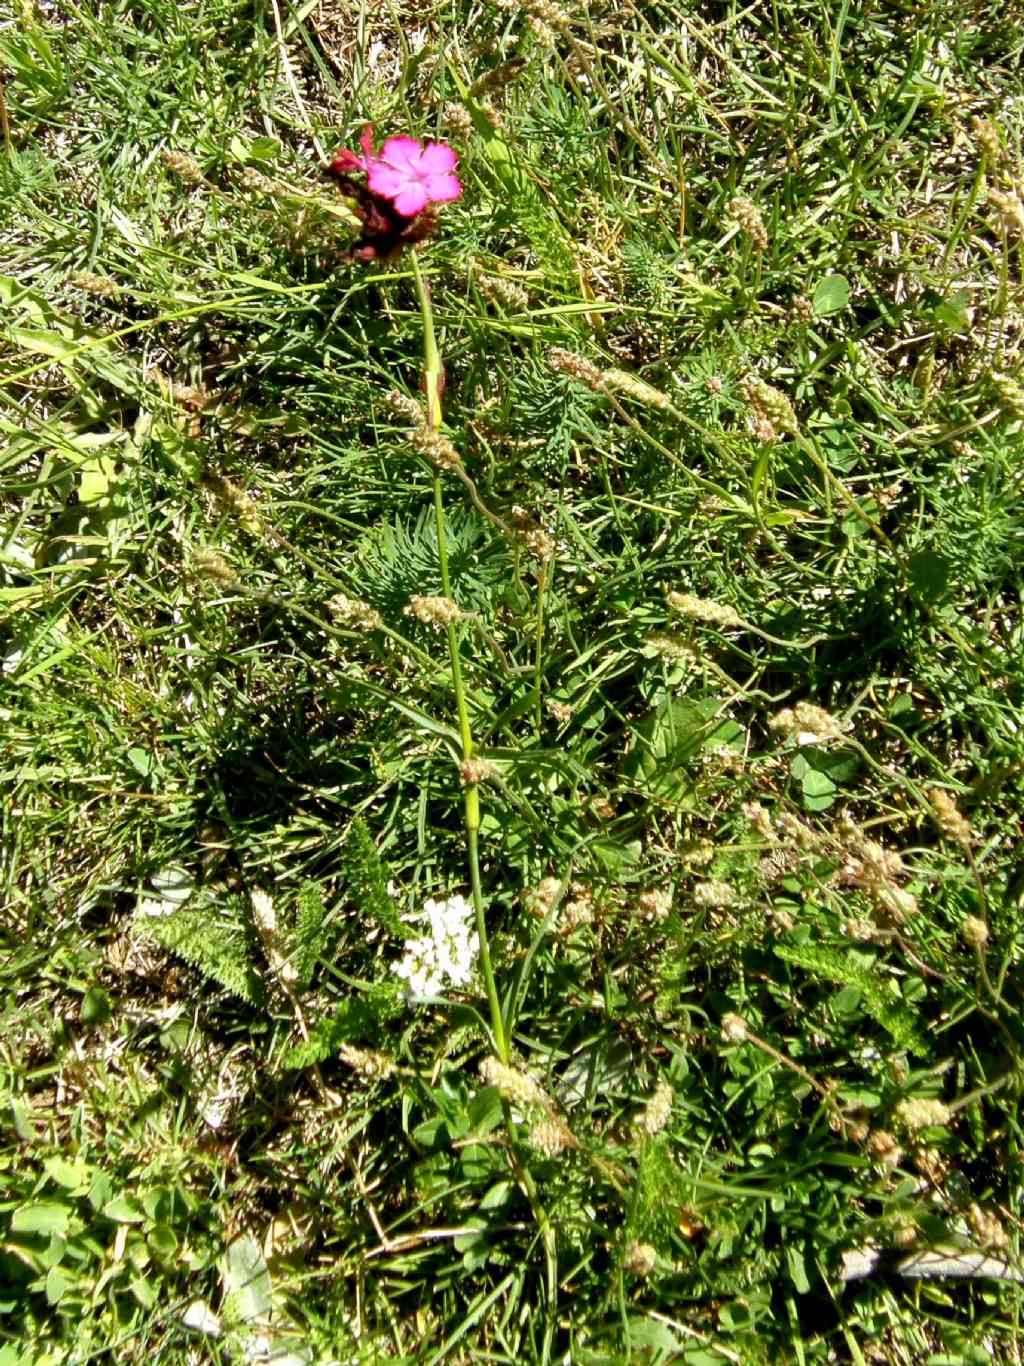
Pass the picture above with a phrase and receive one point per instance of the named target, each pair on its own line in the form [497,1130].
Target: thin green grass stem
[433,372]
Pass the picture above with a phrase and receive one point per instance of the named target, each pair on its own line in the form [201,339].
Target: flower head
[403,180]
[412,175]
[447,953]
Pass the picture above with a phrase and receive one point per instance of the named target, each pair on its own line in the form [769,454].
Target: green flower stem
[538,653]
[433,382]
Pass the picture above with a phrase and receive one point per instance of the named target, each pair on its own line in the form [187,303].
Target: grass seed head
[458,121]
[1009,210]
[576,366]
[515,1086]
[473,771]
[432,611]
[355,613]
[657,1112]
[404,406]
[102,286]
[435,448]
[769,405]
[915,1115]
[211,565]
[1010,393]
[748,216]
[884,1148]
[974,932]
[550,1137]
[184,166]
[639,1259]
[702,609]
[988,1229]
[950,820]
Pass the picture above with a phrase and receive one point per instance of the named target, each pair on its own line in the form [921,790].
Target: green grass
[227,1110]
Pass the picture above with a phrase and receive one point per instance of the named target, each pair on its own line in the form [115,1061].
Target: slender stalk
[538,654]
[433,384]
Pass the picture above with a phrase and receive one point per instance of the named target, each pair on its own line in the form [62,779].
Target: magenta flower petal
[412,199]
[366,141]
[437,158]
[387,180]
[401,152]
[441,188]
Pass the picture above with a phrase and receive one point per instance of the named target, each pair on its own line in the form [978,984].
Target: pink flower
[412,175]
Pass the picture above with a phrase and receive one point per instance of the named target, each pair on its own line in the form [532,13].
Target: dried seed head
[458,121]
[491,115]
[748,217]
[714,894]
[769,404]
[560,711]
[974,932]
[538,543]
[860,929]
[633,387]
[101,285]
[658,1110]
[988,1229]
[884,1148]
[235,501]
[550,1137]
[543,11]
[1009,211]
[368,1061]
[473,771]
[808,724]
[794,828]
[435,448]
[540,900]
[695,853]
[578,910]
[510,296]
[656,902]
[760,818]
[256,182]
[897,902]
[184,166]
[497,80]
[922,1114]
[404,406]
[986,137]
[639,1259]
[353,612]
[951,822]
[1010,394]
[702,609]
[671,647]
[734,1029]
[515,1086]
[578,367]
[432,611]
[211,565]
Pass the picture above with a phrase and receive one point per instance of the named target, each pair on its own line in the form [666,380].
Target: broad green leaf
[144,1291]
[45,1216]
[831,295]
[95,1008]
[58,1283]
[123,1210]
[73,1176]
[247,1284]
[95,480]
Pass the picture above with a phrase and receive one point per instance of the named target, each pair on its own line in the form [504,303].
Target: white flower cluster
[447,953]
